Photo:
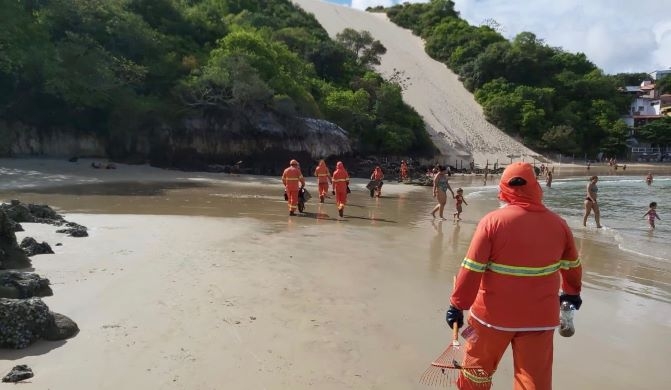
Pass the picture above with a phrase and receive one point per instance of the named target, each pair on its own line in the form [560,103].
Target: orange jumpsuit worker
[404,170]
[293,181]
[340,183]
[323,179]
[377,176]
[510,279]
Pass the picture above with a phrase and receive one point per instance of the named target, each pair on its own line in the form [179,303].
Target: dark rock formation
[74,230]
[18,374]
[32,247]
[23,321]
[11,255]
[259,136]
[21,212]
[16,285]
[61,328]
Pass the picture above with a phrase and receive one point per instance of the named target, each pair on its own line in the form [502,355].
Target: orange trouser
[323,188]
[293,199]
[532,356]
[341,198]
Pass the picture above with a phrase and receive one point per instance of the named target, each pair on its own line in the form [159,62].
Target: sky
[616,35]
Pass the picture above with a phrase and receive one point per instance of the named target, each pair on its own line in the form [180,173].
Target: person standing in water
[340,184]
[648,179]
[590,202]
[520,256]
[459,199]
[293,181]
[652,214]
[440,188]
[323,179]
[548,179]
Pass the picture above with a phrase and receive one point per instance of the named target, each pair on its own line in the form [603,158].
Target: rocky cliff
[263,137]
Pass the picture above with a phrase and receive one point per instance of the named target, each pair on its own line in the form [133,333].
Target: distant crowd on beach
[296,195]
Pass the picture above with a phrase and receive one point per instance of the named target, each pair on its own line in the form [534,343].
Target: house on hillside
[646,105]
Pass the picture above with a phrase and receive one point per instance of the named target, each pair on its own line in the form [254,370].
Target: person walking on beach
[440,188]
[648,179]
[590,202]
[652,214]
[293,181]
[340,186]
[404,170]
[376,176]
[509,280]
[323,179]
[459,199]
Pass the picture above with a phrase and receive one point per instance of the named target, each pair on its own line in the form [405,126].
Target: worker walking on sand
[293,181]
[340,186]
[404,170]
[323,179]
[510,279]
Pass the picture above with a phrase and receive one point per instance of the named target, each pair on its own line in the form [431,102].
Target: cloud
[617,35]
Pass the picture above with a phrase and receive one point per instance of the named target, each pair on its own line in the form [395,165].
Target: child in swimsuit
[652,214]
[459,199]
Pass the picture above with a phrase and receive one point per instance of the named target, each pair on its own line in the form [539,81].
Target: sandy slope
[454,120]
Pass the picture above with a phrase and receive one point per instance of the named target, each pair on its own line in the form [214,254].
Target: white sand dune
[454,119]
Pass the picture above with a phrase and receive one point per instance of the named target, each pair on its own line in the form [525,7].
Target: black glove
[333,192]
[572,299]
[454,315]
[348,190]
[286,197]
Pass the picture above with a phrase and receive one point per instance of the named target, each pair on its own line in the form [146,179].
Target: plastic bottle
[566,327]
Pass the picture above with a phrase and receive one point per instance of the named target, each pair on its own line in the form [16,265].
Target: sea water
[622,200]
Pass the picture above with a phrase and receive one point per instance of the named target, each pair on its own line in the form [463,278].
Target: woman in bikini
[590,202]
[440,188]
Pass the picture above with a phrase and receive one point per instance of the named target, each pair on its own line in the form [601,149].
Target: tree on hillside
[664,85]
[366,48]
[657,132]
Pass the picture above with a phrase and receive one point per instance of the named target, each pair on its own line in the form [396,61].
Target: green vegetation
[551,99]
[121,68]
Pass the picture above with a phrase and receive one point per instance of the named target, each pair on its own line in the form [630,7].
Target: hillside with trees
[555,101]
[127,70]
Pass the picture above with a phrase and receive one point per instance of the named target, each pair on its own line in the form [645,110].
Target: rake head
[445,370]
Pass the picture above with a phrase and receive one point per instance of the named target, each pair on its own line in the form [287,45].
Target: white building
[656,75]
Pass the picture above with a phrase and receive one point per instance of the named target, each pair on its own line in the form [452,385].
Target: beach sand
[454,119]
[201,281]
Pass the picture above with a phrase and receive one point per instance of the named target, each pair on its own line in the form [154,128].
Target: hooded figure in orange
[510,280]
[293,181]
[323,179]
[340,183]
[404,170]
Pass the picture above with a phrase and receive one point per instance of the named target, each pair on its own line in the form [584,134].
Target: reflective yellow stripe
[339,180]
[524,271]
[323,174]
[473,265]
[478,376]
[291,178]
[568,264]
[503,269]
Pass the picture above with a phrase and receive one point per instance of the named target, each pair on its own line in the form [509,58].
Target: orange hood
[528,195]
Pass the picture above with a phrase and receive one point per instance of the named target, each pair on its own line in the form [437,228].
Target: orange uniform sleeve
[472,268]
[284,177]
[571,268]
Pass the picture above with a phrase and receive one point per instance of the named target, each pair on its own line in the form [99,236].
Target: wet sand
[202,281]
